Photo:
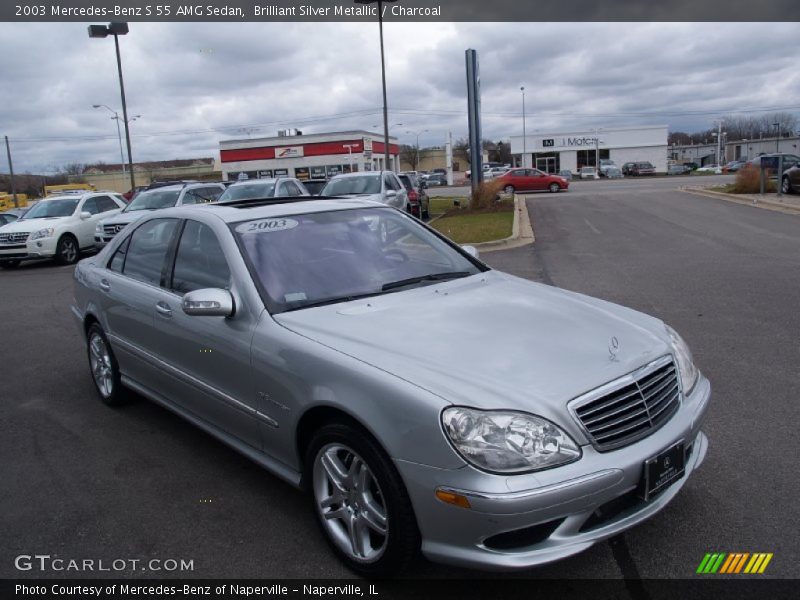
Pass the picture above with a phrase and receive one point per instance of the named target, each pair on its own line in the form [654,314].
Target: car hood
[490,340]
[123,218]
[370,197]
[30,225]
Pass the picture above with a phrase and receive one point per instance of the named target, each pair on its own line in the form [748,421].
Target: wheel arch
[314,418]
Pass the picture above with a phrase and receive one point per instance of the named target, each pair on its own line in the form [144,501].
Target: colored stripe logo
[734,563]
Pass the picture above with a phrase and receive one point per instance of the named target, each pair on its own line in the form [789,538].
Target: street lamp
[416,158]
[524,148]
[117,29]
[117,118]
[350,154]
[383,79]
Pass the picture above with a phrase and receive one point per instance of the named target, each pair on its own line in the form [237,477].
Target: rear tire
[67,251]
[360,501]
[786,187]
[509,189]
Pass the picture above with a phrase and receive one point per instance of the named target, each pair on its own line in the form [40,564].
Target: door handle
[163,309]
[104,285]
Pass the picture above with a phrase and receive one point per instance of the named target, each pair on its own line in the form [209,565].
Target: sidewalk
[521,230]
[786,203]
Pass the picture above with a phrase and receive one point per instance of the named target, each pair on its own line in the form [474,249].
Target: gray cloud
[197,83]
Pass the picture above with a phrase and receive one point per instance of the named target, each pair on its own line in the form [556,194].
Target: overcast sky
[196,83]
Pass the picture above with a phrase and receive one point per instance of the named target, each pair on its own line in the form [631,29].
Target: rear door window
[148,249]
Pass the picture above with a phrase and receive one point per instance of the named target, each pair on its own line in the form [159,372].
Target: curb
[755,203]
[521,231]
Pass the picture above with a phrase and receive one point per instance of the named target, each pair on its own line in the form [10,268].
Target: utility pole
[524,147]
[11,172]
[719,144]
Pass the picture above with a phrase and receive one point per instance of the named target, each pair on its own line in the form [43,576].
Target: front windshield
[153,200]
[328,257]
[362,184]
[52,208]
[249,191]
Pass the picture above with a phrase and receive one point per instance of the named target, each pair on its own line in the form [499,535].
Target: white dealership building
[570,150]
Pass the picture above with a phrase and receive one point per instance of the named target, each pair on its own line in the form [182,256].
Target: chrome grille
[113,230]
[630,408]
[13,238]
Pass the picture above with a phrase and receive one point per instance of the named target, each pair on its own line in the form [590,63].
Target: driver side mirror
[391,193]
[85,214]
[471,250]
[208,302]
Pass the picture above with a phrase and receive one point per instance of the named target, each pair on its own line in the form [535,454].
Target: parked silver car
[380,186]
[424,401]
[166,196]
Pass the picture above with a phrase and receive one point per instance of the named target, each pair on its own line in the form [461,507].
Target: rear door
[129,290]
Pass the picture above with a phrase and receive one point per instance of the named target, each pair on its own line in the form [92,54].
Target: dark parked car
[314,186]
[733,166]
[790,182]
[8,217]
[417,196]
[638,168]
[437,179]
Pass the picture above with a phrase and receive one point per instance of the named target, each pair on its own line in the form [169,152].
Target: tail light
[413,196]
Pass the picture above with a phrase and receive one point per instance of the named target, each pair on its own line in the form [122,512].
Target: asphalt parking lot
[85,481]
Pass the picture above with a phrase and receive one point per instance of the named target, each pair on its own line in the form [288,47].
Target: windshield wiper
[420,279]
[334,300]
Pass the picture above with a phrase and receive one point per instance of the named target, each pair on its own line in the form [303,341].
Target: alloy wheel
[100,362]
[350,502]
[68,250]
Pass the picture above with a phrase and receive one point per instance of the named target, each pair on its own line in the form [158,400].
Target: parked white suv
[378,186]
[59,227]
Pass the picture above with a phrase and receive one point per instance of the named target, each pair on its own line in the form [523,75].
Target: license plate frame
[663,469]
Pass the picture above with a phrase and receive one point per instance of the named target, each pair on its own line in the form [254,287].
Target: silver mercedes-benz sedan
[424,401]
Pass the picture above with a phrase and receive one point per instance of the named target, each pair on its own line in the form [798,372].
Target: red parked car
[529,180]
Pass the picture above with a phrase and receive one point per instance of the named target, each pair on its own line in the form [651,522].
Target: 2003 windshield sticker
[267,226]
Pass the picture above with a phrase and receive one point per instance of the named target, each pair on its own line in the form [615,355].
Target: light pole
[350,154]
[777,136]
[416,157]
[117,118]
[117,29]
[524,146]
[383,80]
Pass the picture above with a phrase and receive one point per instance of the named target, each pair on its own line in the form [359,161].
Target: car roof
[261,181]
[361,174]
[246,210]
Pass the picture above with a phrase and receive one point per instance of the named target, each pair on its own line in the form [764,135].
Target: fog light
[38,244]
[452,498]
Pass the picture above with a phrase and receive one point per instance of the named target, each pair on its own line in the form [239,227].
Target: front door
[209,356]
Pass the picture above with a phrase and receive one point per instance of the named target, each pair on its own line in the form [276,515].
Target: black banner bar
[403,10]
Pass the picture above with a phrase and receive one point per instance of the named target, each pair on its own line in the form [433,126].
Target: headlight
[683,355]
[506,441]
[42,233]
[99,228]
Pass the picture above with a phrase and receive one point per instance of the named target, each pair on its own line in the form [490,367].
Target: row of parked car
[63,227]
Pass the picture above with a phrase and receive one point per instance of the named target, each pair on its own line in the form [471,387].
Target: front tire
[67,251]
[509,189]
[554,187]
[786,187]
[360,501]
[104,367]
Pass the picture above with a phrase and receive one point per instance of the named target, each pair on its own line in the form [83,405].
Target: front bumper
[551,514]
[29,250]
